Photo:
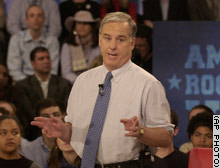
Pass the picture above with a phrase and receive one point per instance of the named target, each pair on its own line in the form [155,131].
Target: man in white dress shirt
[137,105]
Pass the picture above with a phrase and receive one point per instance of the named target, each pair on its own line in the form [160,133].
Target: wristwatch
[141,130]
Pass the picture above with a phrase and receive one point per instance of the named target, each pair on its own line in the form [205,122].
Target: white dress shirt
[134,92]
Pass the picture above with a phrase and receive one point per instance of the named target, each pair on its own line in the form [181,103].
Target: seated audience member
[186,147]
[70,7]
[205,10]
[22,43]
[39,149]
[42,85]
[143,44]
[81,46]
[200,130]
[10,139]
[170,157]
[164,10]
[62,156]
[126,6]
[11,109]
[16,20]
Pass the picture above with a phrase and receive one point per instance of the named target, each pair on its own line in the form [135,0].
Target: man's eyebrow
[122,36]
[105,34]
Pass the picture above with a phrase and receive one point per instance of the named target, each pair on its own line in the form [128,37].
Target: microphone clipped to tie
[101,89]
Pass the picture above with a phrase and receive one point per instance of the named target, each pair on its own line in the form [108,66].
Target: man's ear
[176,130]
[133,42]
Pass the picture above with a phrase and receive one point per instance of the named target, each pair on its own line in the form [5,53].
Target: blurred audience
[39,149]
[169,157]
[126,6]
[81,47]
[3,34]
[186,147]
[8,92]
[70,7]
[42,85]
[2,21]
[205,10]
[22,43]
[143,45]
[164,10]
[200,130]
[16,20]
[10,139]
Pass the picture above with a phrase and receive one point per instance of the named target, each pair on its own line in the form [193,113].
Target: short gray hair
[119,17]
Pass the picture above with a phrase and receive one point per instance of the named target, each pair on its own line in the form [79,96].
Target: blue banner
[186,59]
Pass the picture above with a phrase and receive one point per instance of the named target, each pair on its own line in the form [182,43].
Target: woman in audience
[10,139]
[11,109]
[62,156]
[200,130]
[186,147]
[70,7]
[81,46]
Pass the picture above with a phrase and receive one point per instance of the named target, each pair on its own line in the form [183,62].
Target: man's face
[42,63]
[3,77]
[35,18]
[53,110]
[202,137]
[142,46]
[10,137]
[116,44]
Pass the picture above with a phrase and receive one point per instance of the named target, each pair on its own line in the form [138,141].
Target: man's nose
[113,44]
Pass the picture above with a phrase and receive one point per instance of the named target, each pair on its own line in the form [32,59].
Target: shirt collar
[28,37]
[39,79]
[118,73]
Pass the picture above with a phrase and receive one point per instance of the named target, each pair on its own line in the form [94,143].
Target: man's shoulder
[35,144]
[59,79]
[49,38]
[27,80]
[19,36]
[139,72]
[91,73]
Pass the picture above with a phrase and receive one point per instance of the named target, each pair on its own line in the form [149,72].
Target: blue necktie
[96,124]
